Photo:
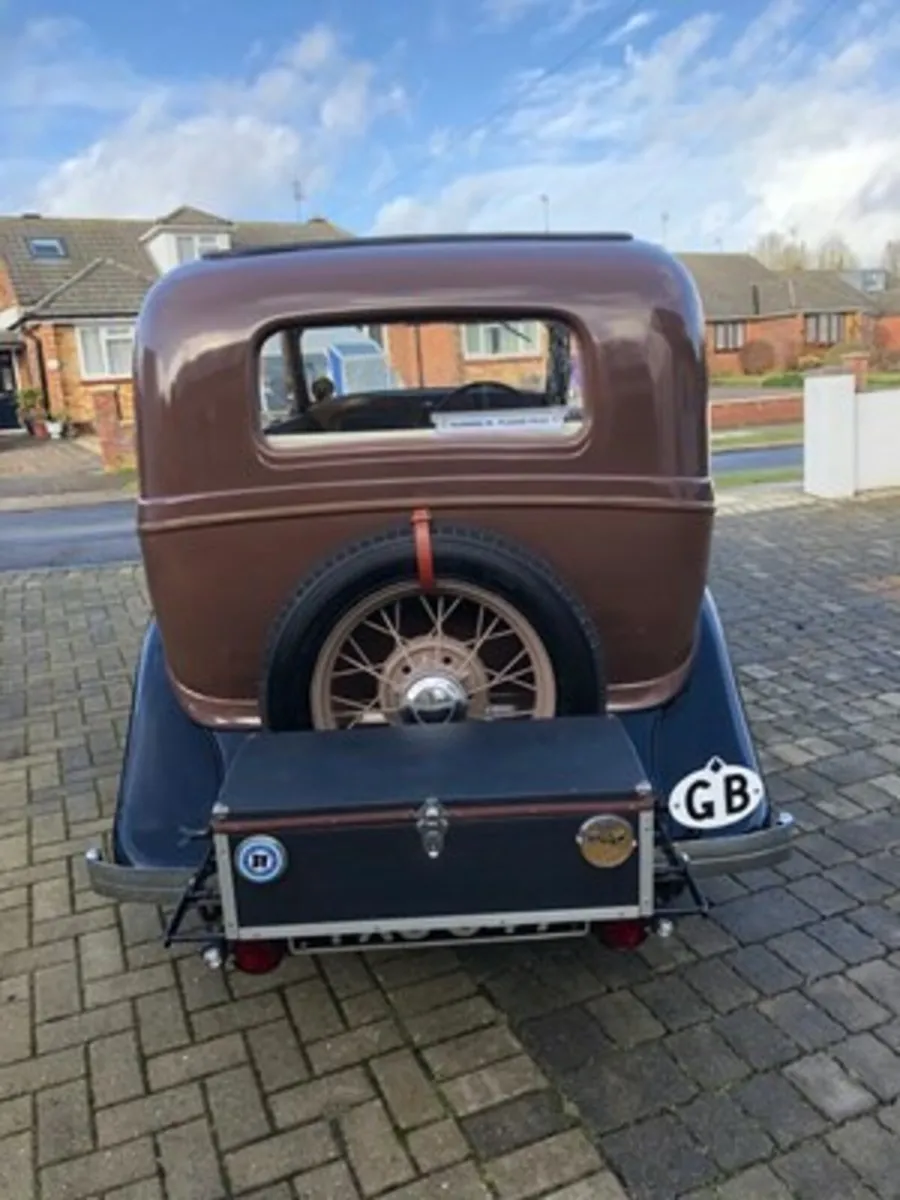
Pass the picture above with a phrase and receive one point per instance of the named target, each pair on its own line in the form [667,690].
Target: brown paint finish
[229,524]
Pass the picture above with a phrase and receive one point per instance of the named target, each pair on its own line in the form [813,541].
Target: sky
[703,125]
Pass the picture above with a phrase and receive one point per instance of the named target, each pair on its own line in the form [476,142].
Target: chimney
[754,299]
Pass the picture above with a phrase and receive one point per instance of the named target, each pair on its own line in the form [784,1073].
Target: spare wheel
[495,634]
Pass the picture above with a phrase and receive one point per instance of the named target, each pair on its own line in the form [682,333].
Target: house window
[824,329]
[506,339]
[105,351]
[189,246]
[729,335]
[47,247]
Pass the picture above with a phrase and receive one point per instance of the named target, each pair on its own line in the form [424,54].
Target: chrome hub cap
[434,700]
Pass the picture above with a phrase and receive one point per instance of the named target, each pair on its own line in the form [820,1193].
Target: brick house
[70,291]
[442,354]
[887,305]
[797,313]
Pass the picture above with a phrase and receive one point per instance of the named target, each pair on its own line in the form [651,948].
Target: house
[70,291]
[436,355]
[792,313]
[887,307]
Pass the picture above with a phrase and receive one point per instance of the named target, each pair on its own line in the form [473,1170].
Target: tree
[833,254]
[780,253]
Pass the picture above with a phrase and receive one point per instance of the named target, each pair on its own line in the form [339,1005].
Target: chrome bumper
[737,853]
[706,857]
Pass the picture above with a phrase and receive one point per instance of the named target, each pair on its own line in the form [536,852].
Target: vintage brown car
[426,525]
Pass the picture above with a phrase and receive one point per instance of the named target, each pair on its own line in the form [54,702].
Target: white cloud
[727,136]
[52,65]
[230,144]
[635,23]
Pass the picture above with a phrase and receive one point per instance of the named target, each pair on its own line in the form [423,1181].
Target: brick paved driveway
[756,1055]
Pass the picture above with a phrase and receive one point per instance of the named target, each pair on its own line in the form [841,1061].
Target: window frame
[832,322]
[211,240]
[729,337]
[103,331]
[47,239]
[534,350]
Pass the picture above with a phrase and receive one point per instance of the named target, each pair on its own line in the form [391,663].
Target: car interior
[393,407]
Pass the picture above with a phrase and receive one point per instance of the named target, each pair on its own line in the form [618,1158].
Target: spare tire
[489,591]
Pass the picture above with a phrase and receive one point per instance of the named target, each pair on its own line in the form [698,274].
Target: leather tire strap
[421,527]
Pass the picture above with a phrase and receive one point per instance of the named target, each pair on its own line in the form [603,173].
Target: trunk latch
[432,823]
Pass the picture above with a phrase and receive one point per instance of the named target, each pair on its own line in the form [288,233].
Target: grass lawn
[734,479]
[735,380]
[757,436]
[880,380]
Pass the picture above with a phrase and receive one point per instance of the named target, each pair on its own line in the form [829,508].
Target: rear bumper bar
[707,857]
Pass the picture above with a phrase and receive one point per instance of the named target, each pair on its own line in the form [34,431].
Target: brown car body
[230,523]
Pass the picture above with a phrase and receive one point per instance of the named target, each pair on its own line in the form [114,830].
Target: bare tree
[782,253]
[833,254]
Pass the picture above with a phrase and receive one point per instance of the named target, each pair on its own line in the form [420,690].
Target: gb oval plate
[716,796]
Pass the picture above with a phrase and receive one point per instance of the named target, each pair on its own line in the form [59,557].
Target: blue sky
[730,117]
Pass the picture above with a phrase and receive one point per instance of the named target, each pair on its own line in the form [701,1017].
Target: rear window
[421,379]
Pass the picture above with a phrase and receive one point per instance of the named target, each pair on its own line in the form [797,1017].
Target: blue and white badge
[260,859]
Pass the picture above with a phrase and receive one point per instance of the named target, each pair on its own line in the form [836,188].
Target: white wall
[878,440]
[851,439]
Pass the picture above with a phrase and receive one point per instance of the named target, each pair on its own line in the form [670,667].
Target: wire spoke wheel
[400,656]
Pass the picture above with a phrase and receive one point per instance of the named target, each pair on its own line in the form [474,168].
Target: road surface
[68,537]
[721,392]
[104,533]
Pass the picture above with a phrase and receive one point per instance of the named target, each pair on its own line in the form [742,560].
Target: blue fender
[173,767]
[171,773]
[706,719]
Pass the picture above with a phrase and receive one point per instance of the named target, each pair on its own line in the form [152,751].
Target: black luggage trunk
[487,824]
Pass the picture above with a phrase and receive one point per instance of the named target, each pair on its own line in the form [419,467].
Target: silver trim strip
[226,887]
[646,850]
[411,924]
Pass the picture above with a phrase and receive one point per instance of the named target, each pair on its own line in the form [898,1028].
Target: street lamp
[545,204]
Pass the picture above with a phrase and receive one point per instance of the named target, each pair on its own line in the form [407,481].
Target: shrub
[834,354]
[757,357]
[884,358]
[810,362]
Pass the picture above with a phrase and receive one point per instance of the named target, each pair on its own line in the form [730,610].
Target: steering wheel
[477,385]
